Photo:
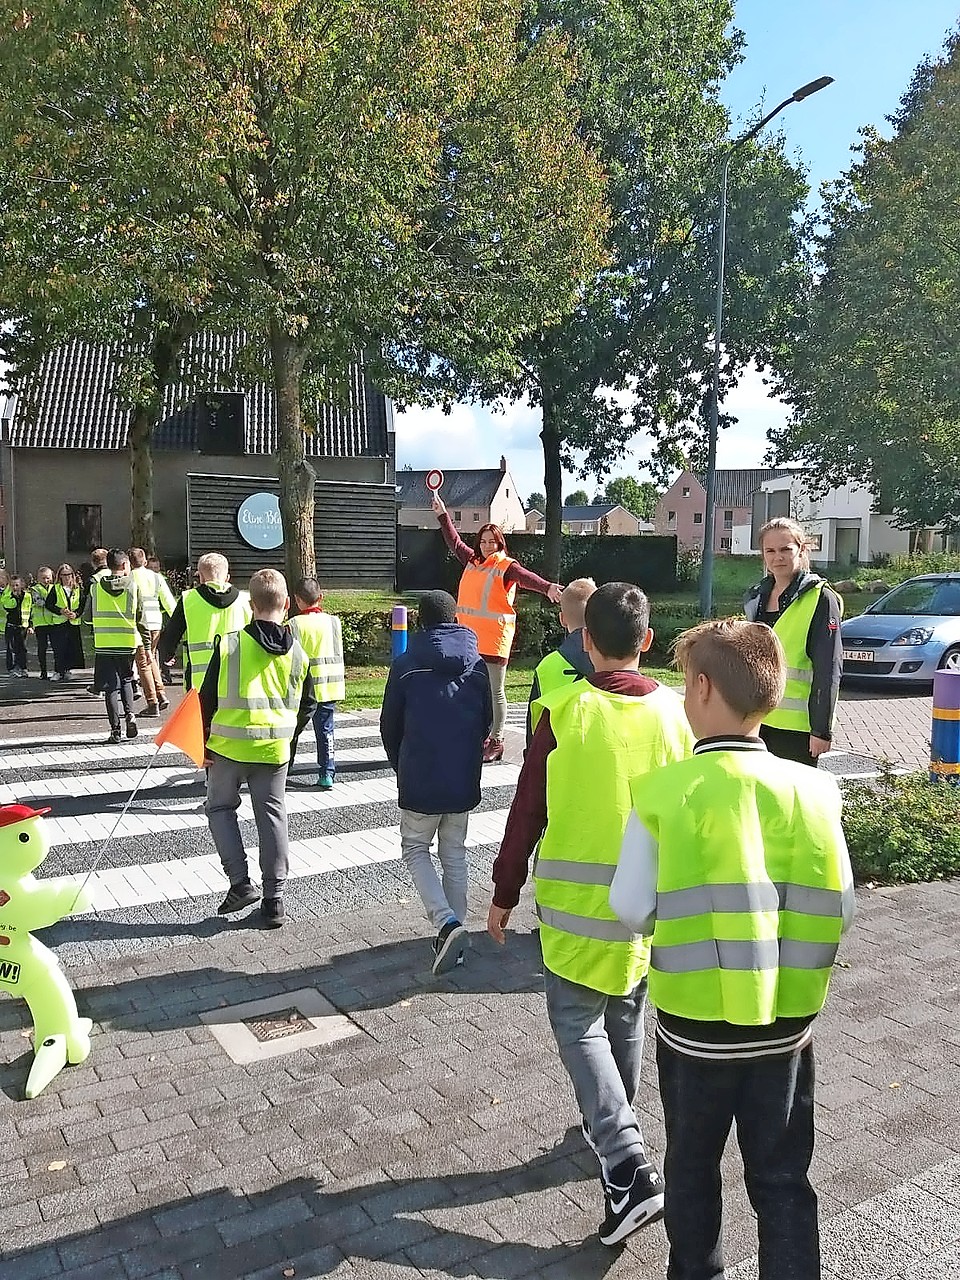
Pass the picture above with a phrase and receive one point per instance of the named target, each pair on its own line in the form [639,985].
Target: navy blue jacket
[437,711]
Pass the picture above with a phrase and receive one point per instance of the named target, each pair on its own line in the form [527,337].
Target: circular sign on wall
[259,523]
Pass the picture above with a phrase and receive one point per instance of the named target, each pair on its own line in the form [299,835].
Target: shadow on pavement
[306,1228]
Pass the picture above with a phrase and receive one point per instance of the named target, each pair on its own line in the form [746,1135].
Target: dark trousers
[16,648]
[323,729]
[771,1101]
[117,699]
[788,744]
[44,645]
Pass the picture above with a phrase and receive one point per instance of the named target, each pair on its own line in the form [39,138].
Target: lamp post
[709,514]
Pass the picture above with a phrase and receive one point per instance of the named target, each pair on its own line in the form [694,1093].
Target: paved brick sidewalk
[442,1141]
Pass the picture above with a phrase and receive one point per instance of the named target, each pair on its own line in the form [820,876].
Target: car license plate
[858,655]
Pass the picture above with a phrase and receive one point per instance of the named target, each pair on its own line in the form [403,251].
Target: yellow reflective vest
[752,866]
[67,600]
[40,615]
[258,697]
[204,623]
[603,741]
[793,629]
[321,637]
[114,618]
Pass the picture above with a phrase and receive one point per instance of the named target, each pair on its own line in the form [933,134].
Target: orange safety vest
[485,604]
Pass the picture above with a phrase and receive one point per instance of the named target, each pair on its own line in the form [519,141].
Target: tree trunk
[168,338]
[552,485]
[139,444]
[297,477]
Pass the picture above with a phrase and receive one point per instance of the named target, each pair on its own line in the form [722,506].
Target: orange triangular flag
[185,729]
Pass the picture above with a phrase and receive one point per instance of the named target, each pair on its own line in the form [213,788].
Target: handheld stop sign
[434,480]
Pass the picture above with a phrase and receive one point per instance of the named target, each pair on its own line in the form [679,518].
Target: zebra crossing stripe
[140,746]
[116,888]
[345,795]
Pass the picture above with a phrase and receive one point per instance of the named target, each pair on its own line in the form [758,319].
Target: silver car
[908,634]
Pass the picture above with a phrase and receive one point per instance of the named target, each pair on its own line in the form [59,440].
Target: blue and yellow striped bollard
[945,736]
[399,632]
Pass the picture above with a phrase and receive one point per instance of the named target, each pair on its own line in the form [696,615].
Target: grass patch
[365,684]
[902,829]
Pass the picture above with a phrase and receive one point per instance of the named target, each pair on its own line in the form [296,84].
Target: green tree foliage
[647,89]
[368,176]
[639,498]
[578,498]
[876,384]
[536,502]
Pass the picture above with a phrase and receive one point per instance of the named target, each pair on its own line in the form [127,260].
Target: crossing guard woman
[805,612]
[485,599]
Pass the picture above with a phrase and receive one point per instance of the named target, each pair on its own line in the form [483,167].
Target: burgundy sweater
[527,819]
[516,573]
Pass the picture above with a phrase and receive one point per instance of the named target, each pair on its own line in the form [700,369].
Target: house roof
[595,512]
[71,403]
[460,488]
[736,488]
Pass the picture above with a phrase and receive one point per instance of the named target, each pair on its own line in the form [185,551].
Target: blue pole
[399,633]
[945,733]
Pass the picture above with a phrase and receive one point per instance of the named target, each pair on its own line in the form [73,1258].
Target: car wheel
[951,660]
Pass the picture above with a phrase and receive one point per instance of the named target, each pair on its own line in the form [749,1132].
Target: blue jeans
[323,728]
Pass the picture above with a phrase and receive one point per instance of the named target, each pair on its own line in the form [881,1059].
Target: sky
[871,48]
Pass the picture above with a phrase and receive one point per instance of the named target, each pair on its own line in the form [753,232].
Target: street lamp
[706,565]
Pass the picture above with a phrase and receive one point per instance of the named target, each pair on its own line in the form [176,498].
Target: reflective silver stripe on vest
[484,610]
[584,926]
[574,872]
[248,732]
[800,673]
[743,955]
[793,704]
[290,701]
[678,904]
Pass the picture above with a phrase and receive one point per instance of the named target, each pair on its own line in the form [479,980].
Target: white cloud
[475,436]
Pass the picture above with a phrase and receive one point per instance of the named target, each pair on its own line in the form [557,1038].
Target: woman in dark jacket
[805,612]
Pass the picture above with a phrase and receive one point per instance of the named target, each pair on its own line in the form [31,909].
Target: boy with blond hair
[257,694]
[212,608]
[735,862]
[569,662]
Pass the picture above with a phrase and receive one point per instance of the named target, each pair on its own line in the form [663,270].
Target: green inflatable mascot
[27,967]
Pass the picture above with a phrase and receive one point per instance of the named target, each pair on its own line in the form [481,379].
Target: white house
[843,525]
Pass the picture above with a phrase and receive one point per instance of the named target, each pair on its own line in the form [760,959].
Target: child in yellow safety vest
[322,639]
[16,603]
[571,805]
[734,860]
[569,662]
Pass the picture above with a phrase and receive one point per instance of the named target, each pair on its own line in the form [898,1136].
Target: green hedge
[903,828]
[367,633]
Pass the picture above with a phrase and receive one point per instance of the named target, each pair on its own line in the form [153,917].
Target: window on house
[457,516]
[671,517]
[698,517]
[84,526]
[220,424]
[686,491]
[476,517]
[728,519]
[724,544]
[507,492]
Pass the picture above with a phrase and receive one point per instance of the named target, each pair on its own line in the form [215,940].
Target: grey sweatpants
[497,671]
[600,1038]
[266,784]
[444,900]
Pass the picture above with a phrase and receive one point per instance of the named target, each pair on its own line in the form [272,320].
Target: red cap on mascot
[13,813]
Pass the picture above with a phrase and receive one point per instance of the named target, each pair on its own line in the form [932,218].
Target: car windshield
[927,596]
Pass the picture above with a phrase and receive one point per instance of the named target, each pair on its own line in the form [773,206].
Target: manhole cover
[274,1026]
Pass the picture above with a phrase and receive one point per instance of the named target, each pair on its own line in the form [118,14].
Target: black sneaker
[239,898]
[151,709]
[114,738]
[449,946]
[634,1199]
[132,729]
[163,704]
[272,913]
